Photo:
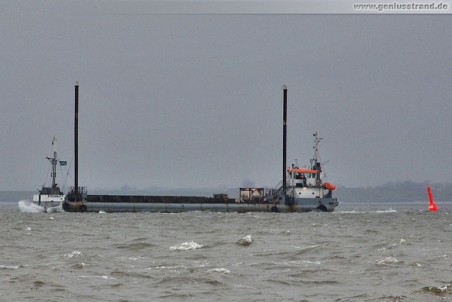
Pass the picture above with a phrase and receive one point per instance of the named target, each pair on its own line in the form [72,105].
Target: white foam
[174,268]
[349,212]
[189,245]
[311,262]
[56,209]
[73,254]
[102,277]
[219,270]
[26,206]
[245,241]
[444,288]
[390,210]
[393,245]
[108,278]
[387,260]
[9,266]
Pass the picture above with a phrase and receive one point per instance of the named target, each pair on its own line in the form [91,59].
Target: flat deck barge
[171,204]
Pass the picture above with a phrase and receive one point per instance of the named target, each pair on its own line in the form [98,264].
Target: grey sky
[196,100]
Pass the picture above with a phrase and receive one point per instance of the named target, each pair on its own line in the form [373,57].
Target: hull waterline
[300,206]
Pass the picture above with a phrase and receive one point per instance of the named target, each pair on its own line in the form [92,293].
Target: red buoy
[432,206]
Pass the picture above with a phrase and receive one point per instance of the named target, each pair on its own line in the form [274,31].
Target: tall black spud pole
[76,139]
[284,139]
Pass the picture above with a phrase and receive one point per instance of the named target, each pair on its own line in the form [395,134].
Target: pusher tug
[50,198]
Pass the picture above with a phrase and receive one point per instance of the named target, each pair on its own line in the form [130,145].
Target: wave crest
[189,245]
[245,241]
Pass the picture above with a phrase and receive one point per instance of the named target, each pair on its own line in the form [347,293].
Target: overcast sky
[196,100]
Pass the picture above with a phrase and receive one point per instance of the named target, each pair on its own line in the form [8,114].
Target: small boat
[51,197]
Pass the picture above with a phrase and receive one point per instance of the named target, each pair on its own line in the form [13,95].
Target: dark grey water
[362,252]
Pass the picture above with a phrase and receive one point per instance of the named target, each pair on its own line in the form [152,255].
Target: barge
[301,190]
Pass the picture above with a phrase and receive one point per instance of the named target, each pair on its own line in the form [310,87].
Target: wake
[26,206]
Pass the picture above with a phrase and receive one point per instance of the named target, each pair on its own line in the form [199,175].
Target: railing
[81,190]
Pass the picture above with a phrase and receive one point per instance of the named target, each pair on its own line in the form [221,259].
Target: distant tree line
[396,192]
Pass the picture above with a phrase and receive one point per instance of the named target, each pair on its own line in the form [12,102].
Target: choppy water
[361,252]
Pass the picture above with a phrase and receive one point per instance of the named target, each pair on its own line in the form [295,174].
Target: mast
[317,140]
[76,139]
[284,140]
[53,161]
[315,164]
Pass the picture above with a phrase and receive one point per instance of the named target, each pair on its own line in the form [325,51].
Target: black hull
[74,206]
[177,204]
